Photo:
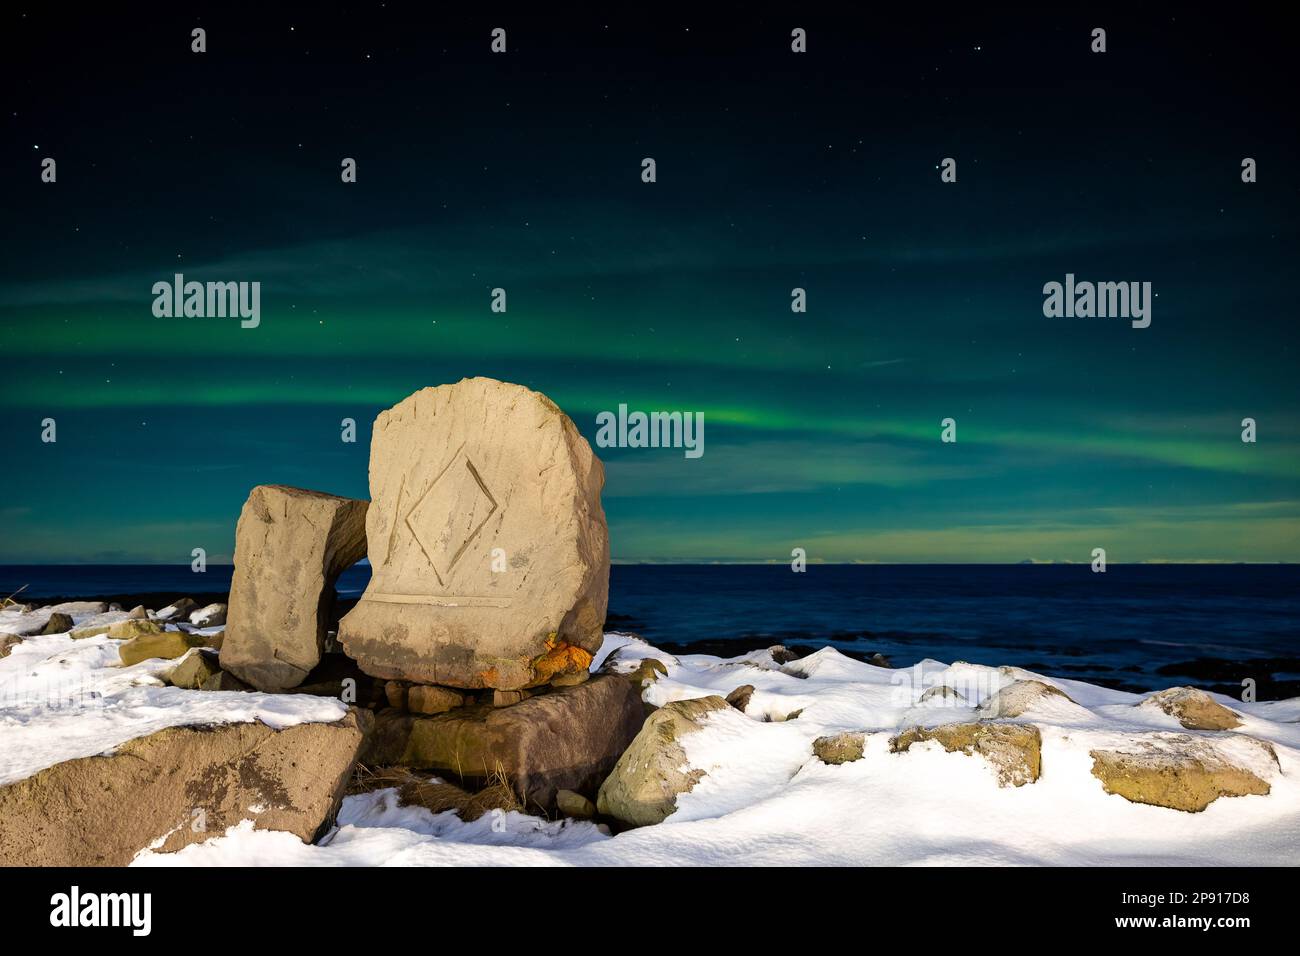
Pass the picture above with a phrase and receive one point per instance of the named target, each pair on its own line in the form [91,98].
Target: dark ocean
[1136,627]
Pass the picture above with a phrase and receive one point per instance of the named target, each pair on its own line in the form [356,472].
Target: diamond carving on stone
[450,514]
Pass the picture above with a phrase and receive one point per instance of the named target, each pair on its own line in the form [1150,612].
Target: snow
[61,699]
[764,798]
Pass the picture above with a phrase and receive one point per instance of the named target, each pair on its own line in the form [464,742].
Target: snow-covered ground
[765,798]
[61,699]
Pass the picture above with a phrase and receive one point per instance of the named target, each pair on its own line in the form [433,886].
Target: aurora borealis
[775,171]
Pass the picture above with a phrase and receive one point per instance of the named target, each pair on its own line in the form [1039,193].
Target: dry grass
[9,601]
[435,795]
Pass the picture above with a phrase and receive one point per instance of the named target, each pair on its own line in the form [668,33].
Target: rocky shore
[471,706]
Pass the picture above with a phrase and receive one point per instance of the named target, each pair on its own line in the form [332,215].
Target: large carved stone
[290,546]
[488,544]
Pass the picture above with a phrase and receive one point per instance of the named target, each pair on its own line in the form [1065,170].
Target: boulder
[167,645]
[395,692]
[571,679]
[782,654]
[487,542]
[1014,750]
[98,623]
[575,805]
[79,607]
[1194,709]
[177,610]
[647,671]
[194,669]
[290,547]
[740,697]
[840,748]
[120,628]
[1183,772]
[139,611]
[508,698]
[179,786]
[643,787]
[565,739]
[58,623]
[211,615]
[8,642]
[133,627]
[29,623]
[1016,698]
[224,680]
[427,699]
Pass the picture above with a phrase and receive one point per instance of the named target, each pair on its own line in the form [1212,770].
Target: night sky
[775,170]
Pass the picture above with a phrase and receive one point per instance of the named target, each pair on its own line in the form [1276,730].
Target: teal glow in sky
[822,429]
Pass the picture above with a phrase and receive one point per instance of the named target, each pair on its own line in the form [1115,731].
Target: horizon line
[724,563]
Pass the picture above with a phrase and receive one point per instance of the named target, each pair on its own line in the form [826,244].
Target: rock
[101,811]
[571,679]
[782,654]
[129,627]
[79,607]
[1183,772]
[507,698]
[129,630]
[139,612]
[167,645]
[426,699]
[215,641]
[132,628]
[1016,698]
[194,669]
[212,615]
[82,633]
[395,691]
[567,739]
[647,671]
[1194,709]
[224,680]
[178,610]
[468,479]
[1015,750]
[30,622]
[643,787]
[739,698]
[841,748]
[98,624]
[8,642]
[290,547]
[574,805]
[941,694]
[59,623]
